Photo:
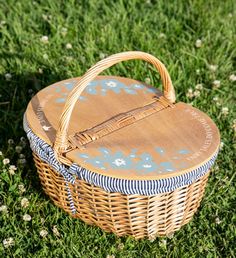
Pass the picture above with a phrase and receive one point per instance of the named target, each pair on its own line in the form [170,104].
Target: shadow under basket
[136,215]
[120,154]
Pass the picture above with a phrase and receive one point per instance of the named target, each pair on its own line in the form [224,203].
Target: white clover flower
[44,39]
[10,141]
[68,46]
[196,93]
[198,43]
[6,161]
[43,233]
[217,221]
[162,35]
[225,111]
[234,125]
[8,242]
[221,145]
[40,70]
[27,217]
[11,171]
[21,188]
[215,99]
[55,231]
[212,67]
[24,202]
[189,94]
[8,76]
[216,84]
[13,167]
[22,139]
[163,242]
[22,161]
[45,56]
[45,17]
[147,80]
[232,77]
[102,55]
[64,31]
[198,71]
[199,86]
[3,209]
[18,149]
[121,246]
[69,58]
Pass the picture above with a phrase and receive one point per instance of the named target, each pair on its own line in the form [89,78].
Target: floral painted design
[146,164]
[115,160]
[142,163]
[64,89]
[100,87]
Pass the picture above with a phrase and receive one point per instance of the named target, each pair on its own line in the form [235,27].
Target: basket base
[136,215]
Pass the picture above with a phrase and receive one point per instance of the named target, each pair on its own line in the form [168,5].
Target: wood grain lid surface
[172,141]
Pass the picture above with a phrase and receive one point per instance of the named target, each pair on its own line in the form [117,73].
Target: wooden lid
[149,139]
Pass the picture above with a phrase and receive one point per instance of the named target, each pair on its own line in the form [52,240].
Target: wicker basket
[108,161]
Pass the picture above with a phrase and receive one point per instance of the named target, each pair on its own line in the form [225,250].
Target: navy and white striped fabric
[110,184]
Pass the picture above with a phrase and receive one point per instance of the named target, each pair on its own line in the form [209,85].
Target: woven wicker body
[135,215]
[120,154]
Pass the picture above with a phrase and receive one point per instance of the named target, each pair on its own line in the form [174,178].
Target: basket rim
[111,184]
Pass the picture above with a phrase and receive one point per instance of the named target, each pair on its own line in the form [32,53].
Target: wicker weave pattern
[136,215]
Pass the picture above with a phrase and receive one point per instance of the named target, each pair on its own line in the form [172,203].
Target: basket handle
[61,141]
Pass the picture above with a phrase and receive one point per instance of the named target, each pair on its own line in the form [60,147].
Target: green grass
[166,29]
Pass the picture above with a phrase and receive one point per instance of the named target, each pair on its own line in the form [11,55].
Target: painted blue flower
[146,164]
[159,150]
[113,85]
[117,160]
[69,85]
[130,91]
[144,88]
[97,161]
[91,87]
[137,86]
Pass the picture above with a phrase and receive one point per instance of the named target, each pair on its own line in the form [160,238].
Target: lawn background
[166,29]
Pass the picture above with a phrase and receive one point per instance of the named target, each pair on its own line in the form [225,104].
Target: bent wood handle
[61,141]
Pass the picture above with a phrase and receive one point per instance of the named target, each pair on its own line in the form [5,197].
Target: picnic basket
[120,154]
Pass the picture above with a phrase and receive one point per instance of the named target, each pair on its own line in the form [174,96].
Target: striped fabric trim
[110,184]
